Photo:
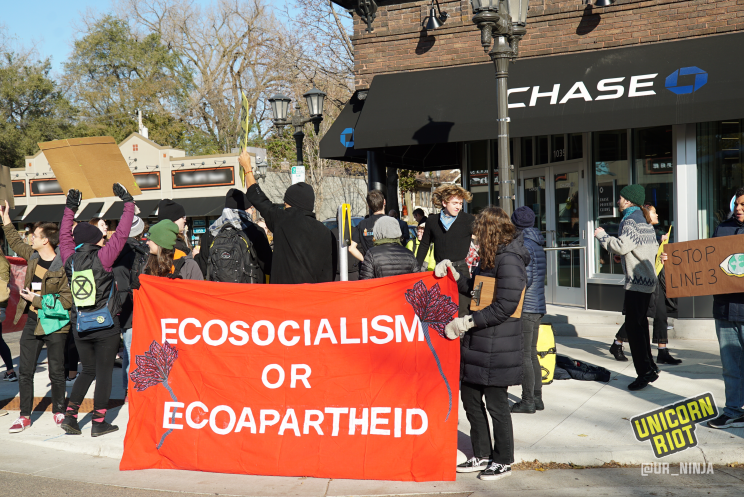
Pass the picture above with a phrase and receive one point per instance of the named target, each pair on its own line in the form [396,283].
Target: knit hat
[523,218]
[300,195]
[138,226]
[634,194]
[386,227]
[168,209]
[235,199]
[164,233]
[86,233]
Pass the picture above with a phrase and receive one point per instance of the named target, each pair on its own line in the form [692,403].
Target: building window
[720,171]
[558,148]
[478,175]
[541,149]
[526,152]
[575,146]
[135,147]
[610,174]
[652,164]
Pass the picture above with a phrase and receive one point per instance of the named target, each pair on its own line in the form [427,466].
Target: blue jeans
[127,337]
[731,340]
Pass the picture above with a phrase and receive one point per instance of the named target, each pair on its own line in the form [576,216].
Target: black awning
[114,212]
[89,211]
[147,207]
[338,142]
[202,207]
[16,213]
[47,213]
[655,84]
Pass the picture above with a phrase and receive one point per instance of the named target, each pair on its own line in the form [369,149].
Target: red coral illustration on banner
[153,368]
[435,310]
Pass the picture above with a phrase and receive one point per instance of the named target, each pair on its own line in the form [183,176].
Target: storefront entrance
[557,194]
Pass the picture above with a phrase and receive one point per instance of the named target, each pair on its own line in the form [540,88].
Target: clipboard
[484,293]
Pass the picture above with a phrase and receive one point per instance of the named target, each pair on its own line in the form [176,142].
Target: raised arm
[264,206]
[14,241]
[110,252]
[66,242]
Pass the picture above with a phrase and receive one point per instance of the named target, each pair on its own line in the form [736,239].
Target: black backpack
[232,258]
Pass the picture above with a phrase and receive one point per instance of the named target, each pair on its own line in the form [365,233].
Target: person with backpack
[387,257]
[133,256]
[45,280]
[304,248]
[234,249]
[165,260]
[89,267]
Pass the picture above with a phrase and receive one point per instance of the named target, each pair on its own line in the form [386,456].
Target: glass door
[557,195]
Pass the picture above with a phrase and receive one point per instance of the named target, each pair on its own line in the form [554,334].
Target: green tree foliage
[32,107]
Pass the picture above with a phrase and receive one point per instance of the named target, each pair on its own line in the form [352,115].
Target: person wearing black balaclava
[169,209]
[304,249]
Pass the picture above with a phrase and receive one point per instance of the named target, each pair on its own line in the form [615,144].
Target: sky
[51,24]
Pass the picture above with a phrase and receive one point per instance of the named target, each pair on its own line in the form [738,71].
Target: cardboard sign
[713,266]
[331,380]
[6,187]
[91,165]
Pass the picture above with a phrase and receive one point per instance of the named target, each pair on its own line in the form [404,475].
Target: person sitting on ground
[304,248]
[234,215]
[166,260]
[414,244]
[387,257]
[45,275]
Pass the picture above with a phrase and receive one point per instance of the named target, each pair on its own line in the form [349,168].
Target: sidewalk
[584,423]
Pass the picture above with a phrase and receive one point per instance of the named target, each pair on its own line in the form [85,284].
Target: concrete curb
[711,453]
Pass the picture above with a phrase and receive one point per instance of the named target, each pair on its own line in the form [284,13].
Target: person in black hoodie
[169,209]
[450,232]
[388,257]
[304,248]
[491,343]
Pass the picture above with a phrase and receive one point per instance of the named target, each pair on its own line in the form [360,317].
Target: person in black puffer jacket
[532,311]
[491,346]
[387,257]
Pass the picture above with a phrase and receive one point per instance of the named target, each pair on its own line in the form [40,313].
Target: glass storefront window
[611,174]
[526,152]
[575,146]
[542,154]
[653,169]
[478,175]
[534,198]
[720,160]
[558,148]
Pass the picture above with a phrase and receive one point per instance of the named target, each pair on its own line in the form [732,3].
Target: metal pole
[501,54]
[299,137]
[343,249]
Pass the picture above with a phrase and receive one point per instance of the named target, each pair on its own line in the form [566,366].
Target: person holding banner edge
[89,266]
[491,343]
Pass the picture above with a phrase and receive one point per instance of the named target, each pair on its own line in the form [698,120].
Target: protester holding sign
[89,267]
[304,249]
[637,245]
[491,346]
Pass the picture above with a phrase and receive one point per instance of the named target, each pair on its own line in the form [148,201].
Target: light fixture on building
[260,172]
[434,20]
[502,24]
[604,3]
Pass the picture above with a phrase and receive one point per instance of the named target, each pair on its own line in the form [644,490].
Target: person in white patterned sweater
[637,245]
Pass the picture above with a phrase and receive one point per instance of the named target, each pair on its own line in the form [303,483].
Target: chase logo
[672,84]
[347,137]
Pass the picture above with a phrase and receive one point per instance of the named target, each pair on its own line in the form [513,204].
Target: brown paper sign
[91,165]
[713,266]
[6,187]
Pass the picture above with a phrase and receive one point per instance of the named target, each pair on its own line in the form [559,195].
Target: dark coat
[304,248]
[134,250]
[452,244]
[256,235]
[491,353]
[534,297]
[366,239]
[730,306]
[387,259]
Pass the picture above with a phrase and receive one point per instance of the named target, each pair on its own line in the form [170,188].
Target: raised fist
[122,193]
[74,197]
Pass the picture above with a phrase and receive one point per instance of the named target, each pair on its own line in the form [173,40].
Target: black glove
[74,197]
[122,193]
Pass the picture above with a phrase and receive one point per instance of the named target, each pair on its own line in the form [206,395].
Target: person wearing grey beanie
[387,257]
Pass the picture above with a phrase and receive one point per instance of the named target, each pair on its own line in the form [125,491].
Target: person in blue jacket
[532,311]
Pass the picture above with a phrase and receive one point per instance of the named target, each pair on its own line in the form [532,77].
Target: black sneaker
[723,422]
[70,425]
[495,471]
[12,376]
[472,465]
[523,407]
[643,381]
[617,351]
[102,428]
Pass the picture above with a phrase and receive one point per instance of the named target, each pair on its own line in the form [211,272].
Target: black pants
[464,300]
[72,358]
[31,346]
[660,334]
[97,356]
[5,354]
[532,379]
[636,326]
[497,403]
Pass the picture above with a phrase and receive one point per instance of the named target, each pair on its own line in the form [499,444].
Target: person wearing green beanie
[166,260]
[635,194]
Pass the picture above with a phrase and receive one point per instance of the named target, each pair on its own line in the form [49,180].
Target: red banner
[333,380]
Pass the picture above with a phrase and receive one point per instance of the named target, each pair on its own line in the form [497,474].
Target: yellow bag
[546,353]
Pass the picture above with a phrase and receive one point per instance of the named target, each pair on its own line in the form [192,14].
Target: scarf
[235,217]
[630,210]
[447,220]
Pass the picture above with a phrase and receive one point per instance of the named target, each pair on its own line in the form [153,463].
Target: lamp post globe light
[502,24]
[280,108]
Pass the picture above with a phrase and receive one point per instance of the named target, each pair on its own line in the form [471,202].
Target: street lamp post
[279,108]
[502,24]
